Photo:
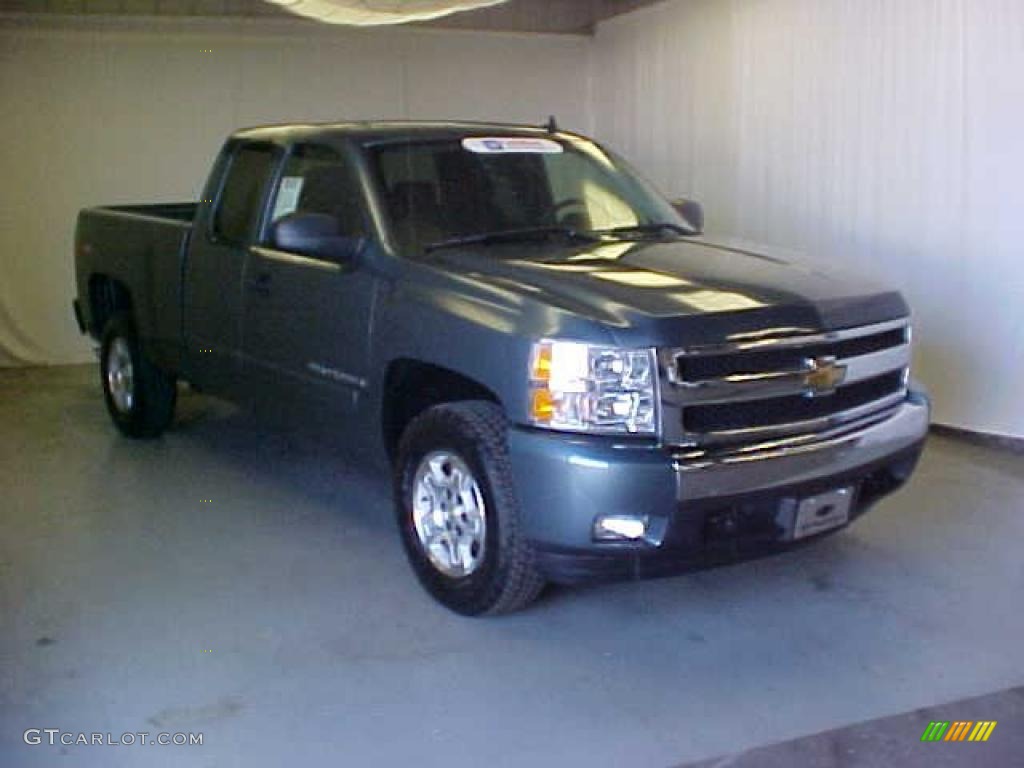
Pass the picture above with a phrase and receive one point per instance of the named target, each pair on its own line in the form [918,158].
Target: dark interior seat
[416,213]
[329,189]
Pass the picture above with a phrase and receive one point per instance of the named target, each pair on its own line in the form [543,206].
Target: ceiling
[552,16]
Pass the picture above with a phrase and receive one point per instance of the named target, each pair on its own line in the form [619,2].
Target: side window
[317,179]
[238,206]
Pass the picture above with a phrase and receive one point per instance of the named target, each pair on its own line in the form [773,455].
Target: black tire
[507,579]
[153,392]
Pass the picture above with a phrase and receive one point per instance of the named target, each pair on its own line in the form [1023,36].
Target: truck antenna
[552,125]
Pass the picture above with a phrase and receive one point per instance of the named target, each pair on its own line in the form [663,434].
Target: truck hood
[688,290]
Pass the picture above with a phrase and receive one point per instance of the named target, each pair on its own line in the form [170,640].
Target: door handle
[261,284]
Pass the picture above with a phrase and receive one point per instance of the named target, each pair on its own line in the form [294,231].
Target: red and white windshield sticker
[496,145]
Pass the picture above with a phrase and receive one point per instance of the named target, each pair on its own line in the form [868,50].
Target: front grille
[752,414]
[755,360]
[744,392]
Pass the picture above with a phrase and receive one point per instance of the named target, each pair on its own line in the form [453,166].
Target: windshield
[449,190]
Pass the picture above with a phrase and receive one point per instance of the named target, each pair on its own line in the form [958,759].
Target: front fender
[478,330]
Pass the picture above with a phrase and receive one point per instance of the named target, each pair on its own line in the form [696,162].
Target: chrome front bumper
[702,474]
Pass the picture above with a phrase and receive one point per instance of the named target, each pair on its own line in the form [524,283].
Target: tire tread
[156,392]
[518,581]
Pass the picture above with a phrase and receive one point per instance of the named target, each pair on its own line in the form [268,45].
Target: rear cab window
[238,207]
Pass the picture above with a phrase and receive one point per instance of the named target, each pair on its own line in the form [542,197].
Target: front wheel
[140,397]
[458,514]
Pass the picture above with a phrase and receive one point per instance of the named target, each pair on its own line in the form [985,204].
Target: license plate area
[822,512]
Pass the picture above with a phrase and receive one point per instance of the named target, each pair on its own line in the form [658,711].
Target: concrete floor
[244,584]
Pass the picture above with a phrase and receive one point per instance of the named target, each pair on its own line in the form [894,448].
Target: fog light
[620,527]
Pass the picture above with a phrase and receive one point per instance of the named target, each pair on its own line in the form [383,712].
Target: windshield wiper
[510,236]
[653,228]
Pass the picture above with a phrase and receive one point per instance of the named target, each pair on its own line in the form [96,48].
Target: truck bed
[142,248]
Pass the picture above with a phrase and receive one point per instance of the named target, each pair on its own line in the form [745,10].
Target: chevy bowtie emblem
[822,375]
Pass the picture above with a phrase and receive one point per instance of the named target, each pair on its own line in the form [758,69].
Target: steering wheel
[568,202]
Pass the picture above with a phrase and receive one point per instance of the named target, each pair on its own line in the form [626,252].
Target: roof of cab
[386,130]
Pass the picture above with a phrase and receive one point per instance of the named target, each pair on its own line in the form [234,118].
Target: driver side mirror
[692,211]
[317,235]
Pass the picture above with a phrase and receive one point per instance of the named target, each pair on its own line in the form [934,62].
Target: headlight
[588,388]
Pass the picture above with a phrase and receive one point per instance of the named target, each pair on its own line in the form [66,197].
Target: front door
[306,318]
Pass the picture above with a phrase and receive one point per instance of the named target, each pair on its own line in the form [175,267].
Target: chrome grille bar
[799,427]
[797,340]
[757,386]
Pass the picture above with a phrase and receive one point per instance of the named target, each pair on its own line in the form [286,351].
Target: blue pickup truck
[566,380]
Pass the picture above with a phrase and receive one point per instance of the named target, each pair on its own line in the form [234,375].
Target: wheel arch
[412,386]
[107,297]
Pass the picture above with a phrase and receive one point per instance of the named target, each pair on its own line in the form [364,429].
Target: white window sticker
[496,145]
[287,196]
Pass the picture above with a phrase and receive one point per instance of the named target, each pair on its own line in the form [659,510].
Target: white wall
[886,135]
[120,111]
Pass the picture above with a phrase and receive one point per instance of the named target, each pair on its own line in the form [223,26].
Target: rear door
[306,318]
[223,233]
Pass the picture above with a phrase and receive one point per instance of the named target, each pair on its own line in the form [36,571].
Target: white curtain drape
[121,111]
[880,136]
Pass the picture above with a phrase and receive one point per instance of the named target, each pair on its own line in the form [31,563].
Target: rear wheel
[458,514]
[140,397]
